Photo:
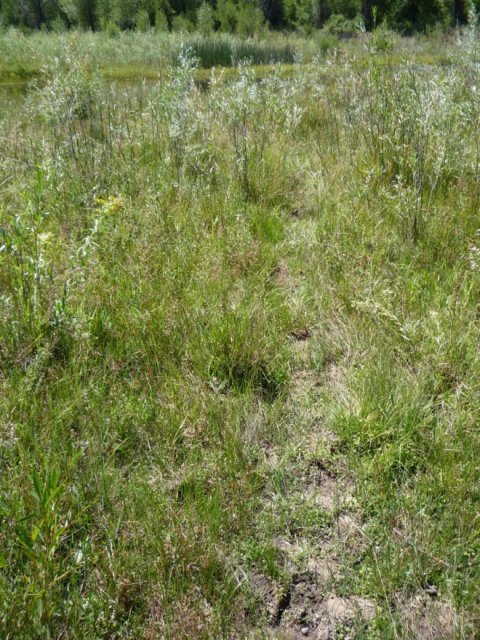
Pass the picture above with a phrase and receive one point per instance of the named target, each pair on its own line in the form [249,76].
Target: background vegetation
[240,16]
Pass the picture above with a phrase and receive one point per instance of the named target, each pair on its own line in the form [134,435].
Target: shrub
[180,24]
[58,25]
[338,25]
[227,15]
[161,21]
[249,20]
[382,40]
[142,21]
[205,19]
[112,29]
[327,42]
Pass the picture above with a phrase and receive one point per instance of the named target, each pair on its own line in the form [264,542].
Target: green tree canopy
[233,15]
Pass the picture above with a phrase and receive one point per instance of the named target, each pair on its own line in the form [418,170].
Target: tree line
[243,16]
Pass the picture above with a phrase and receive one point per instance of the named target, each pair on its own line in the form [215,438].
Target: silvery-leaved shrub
[68,107]
[253,114]
[181,133]
[408,121]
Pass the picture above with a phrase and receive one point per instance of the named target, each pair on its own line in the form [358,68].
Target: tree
[347,8]
[404,15]
[249,19]
[87,13]
[37,13]
[461,10]
[12,10]
[367,13]
[124,13]
[411,15]
[158,12]
[273,10]
[104,12]
[227,15]
[298,14]
[205,19]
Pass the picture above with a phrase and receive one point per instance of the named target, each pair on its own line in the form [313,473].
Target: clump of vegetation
[340,26]
[164,250]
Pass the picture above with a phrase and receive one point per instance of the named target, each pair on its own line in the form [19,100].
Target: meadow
[133,55]
[239,364]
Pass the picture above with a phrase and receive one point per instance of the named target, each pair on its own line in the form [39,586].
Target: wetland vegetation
[239,364]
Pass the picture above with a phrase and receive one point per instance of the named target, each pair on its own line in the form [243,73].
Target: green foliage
[124,12]
[227,15]
[111,29]
[205,19]
[382,40]
[338,25]
[8,12]
[142,21]
[349,9]
[58,25]
[181,24]
[70,547]
[327,41]
[404,15]
[244,17]
[161,21]
[87,15]
[299,14]
[249,20]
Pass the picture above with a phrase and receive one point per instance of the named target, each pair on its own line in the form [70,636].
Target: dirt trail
[311,605]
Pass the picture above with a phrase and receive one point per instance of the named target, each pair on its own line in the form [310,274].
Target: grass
[24,57]
[148,55]
[159,249]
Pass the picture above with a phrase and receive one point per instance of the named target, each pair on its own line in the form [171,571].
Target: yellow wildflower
[110,205]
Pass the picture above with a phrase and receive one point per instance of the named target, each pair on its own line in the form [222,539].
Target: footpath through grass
[239,366]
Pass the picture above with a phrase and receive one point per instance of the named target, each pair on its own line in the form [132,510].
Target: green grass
[149,55]
[159,245]
[135,55]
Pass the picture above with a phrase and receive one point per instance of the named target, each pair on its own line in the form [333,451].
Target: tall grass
[226,51]
[25,56]
[145,339]
[132,55]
